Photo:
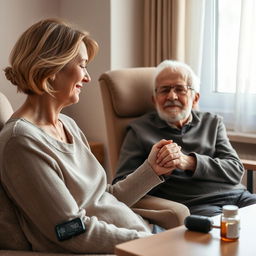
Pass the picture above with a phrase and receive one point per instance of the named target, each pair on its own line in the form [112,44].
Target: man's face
[174,99]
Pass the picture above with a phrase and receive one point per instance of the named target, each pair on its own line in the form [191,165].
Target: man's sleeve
[224,166]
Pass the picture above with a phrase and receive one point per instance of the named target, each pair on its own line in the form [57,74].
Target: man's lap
[211,206]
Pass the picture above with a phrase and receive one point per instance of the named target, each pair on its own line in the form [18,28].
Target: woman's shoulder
[17,126]
[16,133]
[21,131]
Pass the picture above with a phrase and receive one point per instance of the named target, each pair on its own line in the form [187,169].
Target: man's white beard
[173,118]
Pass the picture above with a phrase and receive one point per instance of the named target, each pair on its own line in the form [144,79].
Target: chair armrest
[249,166]
[165,213]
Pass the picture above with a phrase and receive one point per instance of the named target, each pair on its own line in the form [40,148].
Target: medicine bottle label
[230,230]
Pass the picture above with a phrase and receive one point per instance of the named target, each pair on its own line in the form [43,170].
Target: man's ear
[195,101]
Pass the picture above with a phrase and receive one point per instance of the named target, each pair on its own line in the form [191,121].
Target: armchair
[126,95]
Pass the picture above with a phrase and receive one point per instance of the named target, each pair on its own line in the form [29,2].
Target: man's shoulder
[206,115]
[147,118]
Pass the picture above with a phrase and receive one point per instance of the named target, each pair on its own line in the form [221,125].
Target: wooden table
[180,241]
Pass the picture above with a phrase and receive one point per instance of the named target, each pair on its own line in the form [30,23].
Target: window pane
[228,19]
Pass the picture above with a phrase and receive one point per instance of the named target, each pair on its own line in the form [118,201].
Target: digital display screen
[69,229]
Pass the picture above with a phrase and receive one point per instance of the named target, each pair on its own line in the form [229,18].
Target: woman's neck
[39,110]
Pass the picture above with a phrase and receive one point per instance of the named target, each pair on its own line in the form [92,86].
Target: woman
[47,168]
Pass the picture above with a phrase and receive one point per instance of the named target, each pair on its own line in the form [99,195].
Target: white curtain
[245,100]
[194,26]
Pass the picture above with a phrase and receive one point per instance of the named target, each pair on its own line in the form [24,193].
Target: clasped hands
[165,156]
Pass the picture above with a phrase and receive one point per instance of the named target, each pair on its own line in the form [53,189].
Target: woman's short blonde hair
[42,51]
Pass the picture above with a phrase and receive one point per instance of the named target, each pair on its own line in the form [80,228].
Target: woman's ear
[52,78]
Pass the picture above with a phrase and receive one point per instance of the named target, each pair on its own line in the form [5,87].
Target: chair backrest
[126,95]
[5,110]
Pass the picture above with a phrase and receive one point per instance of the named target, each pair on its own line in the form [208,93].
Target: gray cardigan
[218,167]
[51,182]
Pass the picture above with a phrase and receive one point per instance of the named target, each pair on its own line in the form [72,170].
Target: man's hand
[170,156]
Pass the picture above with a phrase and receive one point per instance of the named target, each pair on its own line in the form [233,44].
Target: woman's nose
[87,77]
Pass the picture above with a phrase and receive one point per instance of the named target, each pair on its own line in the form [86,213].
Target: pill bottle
[230,223]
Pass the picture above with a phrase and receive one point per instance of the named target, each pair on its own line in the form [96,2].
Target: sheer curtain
[245,100]
[173,29]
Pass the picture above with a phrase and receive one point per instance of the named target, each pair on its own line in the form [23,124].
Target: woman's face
[70,80]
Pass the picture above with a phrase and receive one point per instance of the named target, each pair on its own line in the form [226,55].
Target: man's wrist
[190,163]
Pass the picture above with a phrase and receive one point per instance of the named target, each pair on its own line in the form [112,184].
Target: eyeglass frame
[173,87]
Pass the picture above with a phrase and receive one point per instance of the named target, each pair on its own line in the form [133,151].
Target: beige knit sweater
[51,182]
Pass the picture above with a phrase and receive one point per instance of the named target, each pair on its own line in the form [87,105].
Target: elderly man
[205,171]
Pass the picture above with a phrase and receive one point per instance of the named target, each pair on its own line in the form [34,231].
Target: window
[228,86]
[227,35]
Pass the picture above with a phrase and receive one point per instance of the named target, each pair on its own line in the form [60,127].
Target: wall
[126,33]
[15,17]
[93,16]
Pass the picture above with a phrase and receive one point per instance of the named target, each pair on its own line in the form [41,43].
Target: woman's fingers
[168,153]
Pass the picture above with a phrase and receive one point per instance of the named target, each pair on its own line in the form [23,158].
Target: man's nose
[172,94]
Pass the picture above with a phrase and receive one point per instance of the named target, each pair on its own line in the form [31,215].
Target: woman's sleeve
[34,182]
[135,185]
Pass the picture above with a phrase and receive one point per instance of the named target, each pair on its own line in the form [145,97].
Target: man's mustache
[173,103]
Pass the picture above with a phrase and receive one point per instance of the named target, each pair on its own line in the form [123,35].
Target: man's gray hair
[193,79]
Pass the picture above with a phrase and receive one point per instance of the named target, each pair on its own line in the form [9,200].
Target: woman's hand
[160,169]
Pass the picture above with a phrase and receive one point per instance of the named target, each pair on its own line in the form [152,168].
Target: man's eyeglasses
[178,89]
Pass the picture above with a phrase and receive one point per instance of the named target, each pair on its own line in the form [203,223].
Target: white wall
[15,17]
[126,33]
[93,16]
[115,24]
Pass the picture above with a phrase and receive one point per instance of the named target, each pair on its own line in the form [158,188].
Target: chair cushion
[11,235]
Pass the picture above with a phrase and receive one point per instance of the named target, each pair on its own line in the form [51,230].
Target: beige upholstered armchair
[126,95]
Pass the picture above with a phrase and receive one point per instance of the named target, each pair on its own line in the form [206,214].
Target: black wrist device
[69,229]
